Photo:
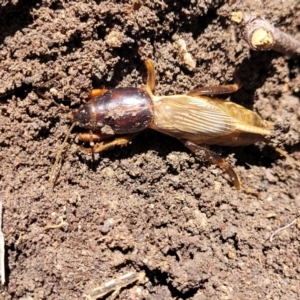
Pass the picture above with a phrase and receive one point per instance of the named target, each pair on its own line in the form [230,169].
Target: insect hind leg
[214,158]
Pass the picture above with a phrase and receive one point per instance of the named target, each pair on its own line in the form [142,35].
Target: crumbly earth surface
[151,206]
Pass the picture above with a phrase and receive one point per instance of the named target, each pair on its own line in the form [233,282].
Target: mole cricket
[115,117]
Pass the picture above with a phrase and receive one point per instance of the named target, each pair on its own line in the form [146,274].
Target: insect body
[119,111]
[115,117]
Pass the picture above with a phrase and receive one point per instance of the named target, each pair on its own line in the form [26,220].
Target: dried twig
[2,249]
[282,228]
[261,35]
[54,226]
[115,285]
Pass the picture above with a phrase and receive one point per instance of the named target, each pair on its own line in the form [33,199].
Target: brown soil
[151,206]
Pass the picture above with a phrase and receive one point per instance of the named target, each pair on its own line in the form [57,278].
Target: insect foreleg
[106,144]
[150,84]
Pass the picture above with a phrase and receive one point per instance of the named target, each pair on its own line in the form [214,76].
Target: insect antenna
[65,108]
[59,156]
